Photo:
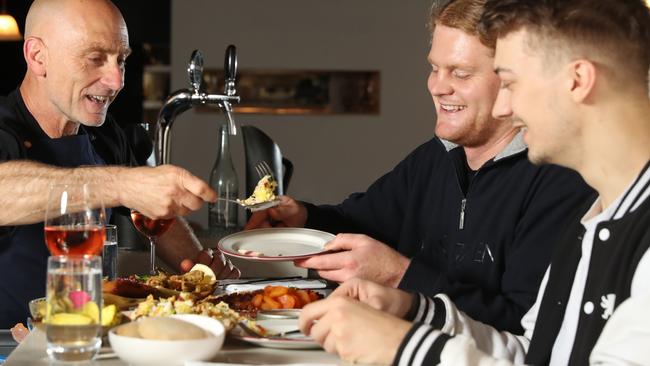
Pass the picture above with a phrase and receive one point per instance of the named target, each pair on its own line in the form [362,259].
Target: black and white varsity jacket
[442,334]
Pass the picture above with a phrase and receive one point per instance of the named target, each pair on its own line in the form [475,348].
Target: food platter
[194,284]
[275,244]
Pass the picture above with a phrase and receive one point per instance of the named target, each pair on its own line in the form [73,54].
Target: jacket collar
[515,146]
[635,195]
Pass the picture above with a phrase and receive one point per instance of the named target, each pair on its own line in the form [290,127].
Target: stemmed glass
[74,225]
[152,229]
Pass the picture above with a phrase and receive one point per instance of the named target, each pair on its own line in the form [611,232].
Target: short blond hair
[461,14]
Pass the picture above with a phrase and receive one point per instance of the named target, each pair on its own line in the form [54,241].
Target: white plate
[276,244]
[292,341]
[278,314]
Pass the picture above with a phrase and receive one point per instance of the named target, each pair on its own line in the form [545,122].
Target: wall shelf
[301,92]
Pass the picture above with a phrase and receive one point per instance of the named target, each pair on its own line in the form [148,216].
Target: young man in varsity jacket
[575,74]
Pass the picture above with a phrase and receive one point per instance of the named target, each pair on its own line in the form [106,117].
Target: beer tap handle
[195,71]
[230,70]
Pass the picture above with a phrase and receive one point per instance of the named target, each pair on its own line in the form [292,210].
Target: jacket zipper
[463,202]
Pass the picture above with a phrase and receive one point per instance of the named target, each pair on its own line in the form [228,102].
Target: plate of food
[279,302]
[275,244]
[270,302]
[251,310]
[198,283]
[281,333]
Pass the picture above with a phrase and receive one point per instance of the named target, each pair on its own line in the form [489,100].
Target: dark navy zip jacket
[487,249]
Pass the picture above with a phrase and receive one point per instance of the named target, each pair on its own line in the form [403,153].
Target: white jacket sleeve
[442,333]
[462,350]
[424,343]
[626,336]
[452,338]
[623,342]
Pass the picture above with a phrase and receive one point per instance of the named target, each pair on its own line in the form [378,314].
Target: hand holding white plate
[275,244]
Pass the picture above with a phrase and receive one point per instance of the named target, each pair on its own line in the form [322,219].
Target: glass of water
[109,253]
[73,307]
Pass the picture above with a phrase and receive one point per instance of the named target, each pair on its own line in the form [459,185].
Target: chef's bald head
[47,16]
[75,52]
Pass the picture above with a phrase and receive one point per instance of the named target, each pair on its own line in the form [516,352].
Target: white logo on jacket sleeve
[607,302]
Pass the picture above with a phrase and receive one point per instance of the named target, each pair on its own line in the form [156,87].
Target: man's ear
[35,53]
[582,79]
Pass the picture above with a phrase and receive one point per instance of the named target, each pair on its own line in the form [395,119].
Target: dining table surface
[32,352]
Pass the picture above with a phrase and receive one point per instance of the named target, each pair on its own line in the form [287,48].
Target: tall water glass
[109,253]
[73,303]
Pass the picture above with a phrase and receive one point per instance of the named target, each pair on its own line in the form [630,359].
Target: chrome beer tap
[184,99]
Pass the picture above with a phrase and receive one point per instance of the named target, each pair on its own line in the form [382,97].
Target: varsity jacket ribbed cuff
[428,311]
[422,346]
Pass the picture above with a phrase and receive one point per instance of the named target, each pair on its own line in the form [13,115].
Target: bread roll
[128,330]
[169,329]
[160,328]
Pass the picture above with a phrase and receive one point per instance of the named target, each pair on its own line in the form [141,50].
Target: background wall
[333,155]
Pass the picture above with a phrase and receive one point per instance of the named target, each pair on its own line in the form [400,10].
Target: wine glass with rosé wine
[73,224]
[152,229]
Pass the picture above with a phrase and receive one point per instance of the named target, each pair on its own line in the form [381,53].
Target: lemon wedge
[70,319]
[109,315]
[91,310]
[207,271]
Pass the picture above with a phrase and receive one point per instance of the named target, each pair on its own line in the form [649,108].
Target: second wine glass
[152,229]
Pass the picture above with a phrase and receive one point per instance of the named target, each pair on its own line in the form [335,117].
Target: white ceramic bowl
[139,351]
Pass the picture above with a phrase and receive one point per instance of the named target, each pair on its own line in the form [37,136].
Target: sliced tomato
[313,296]
[257,300]
[268,289]
[299,303]
[278,291]
[287,301]
[303,296]
[271,303]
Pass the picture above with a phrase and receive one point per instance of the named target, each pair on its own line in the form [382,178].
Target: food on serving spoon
[263,192]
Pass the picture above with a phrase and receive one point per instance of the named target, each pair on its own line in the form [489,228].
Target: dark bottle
[223,179]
